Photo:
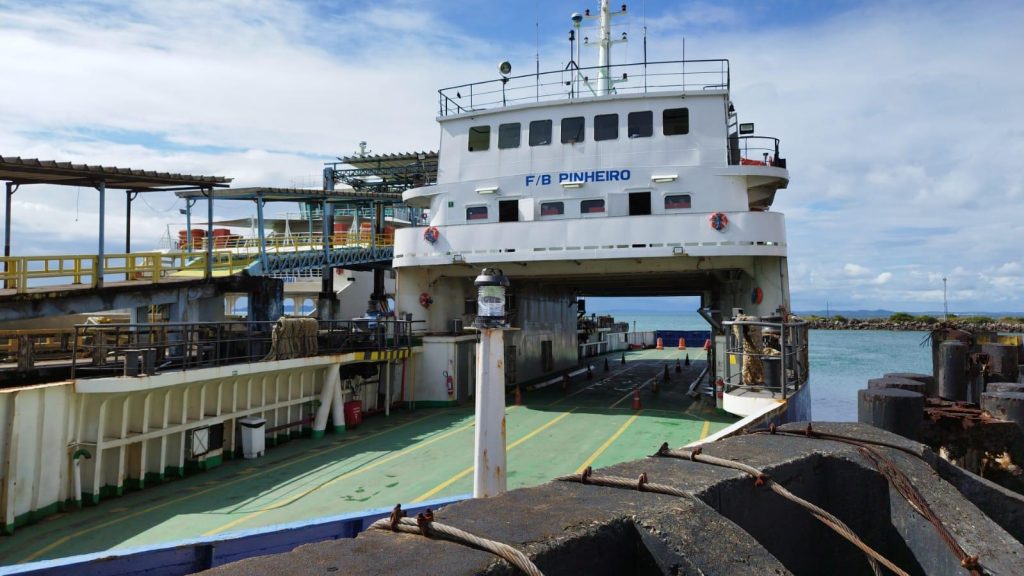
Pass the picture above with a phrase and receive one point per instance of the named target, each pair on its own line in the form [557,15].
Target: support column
[129,196]
[332,385]
[188,224]
[338,409]
[209,233]
[263,240]
[489,469]
[387,390]
[98,278]
[327,295]
[7,228]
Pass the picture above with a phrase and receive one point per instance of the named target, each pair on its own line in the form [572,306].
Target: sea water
[842,361]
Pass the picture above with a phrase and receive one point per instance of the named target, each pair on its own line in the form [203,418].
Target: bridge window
[476,213]
[552,208]
[573,129]
[640,124]
[509,135]
[606,127]
[540,132]
[675,121]
[479,138]
[595,206]
[677,201]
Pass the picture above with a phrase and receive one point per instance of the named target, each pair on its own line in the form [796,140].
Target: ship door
[639,203]
[508,211]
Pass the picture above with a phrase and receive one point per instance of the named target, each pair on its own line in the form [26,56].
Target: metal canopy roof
[32,171]
[389,160]
[293,194]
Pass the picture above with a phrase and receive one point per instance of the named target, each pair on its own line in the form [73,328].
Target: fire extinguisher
[449,383]
[719,392]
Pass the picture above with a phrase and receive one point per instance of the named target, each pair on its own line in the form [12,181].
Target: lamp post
[489,469]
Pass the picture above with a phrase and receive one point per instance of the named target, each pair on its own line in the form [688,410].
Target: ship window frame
[689,201]
[581,132]
[676,126]
[486,215]
[561,209]
[591,214]
[540,132]
[476,133]
[606,131]
[634,126]
[506,133]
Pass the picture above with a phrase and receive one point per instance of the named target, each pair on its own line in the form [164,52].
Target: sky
[901,121]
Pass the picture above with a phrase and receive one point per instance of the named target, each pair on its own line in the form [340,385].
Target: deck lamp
[490,299]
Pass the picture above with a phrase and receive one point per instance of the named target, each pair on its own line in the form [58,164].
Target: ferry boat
[614,180]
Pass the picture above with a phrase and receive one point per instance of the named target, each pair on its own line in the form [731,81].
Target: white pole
[489,470]
[604,48]
[332,381]
[387,390]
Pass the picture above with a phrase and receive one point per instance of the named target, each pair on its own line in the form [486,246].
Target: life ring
[757,296]
[431,234]
[719,221]
[426,300]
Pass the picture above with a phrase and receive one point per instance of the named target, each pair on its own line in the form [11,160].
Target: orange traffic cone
[661,345]
[606,368]
[565,382]
[519,396]
[678,367]
[665,377]
[707,345]
[590,374]
[687,360]
[682,344]
[623,358]
[636,399]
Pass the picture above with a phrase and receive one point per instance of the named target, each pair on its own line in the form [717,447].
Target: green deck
[411,456]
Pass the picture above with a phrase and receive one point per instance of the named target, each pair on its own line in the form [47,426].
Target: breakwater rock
[840,323]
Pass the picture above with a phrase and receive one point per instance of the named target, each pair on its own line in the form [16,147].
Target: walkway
[412,456]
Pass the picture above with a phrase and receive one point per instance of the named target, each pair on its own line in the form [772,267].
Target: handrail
[744,150]
[792,352]
[182,346]
[636,78]
[21,273]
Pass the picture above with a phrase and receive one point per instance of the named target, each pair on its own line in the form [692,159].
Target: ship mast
[604,50]
[604,46]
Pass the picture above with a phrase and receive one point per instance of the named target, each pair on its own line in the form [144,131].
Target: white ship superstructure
[625,180]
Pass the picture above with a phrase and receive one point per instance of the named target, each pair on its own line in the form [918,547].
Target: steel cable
[762,479]
[424,525]
[898,480]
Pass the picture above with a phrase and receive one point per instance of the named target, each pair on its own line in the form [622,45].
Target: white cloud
[855,270]
[900,150]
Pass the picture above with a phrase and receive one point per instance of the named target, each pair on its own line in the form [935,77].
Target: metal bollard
[952,380]
[898,411]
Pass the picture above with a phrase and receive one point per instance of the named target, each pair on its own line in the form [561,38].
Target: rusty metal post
[7,229]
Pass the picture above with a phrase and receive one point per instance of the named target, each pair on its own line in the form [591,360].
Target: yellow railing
[24,272]
[21,273]
[289,242]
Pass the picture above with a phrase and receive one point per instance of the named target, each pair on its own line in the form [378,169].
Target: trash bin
[253,436]
[772,372]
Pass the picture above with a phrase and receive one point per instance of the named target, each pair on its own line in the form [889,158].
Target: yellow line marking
[704,431]
[608,442]
[65,539]
[308,491]
[469,470]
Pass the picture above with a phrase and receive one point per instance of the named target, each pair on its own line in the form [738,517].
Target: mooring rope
[762,479]
[424,525]
[898,480]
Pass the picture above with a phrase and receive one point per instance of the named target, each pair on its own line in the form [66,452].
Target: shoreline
[818,323]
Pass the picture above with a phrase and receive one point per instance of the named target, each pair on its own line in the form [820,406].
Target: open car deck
[412,456]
